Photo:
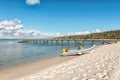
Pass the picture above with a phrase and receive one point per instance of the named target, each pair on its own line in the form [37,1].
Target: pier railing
[61,41]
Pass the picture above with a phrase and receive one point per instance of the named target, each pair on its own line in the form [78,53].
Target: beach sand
[102,63]
[31,68]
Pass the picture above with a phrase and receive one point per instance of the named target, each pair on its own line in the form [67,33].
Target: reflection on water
[13,53]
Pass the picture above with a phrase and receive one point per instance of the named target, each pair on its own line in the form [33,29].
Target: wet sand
[30,68]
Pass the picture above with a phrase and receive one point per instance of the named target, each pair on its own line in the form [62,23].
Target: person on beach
[80,48]
[64,50]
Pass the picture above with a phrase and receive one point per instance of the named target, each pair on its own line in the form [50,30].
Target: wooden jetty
[62,41]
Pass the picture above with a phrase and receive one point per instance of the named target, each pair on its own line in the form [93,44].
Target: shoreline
[32,67]
[102,63]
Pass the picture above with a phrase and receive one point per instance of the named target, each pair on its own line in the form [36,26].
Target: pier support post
[92,41]
[40,41]
[82,42]
[43,41]
[51,41]
[57,42]
[61,41]
[102,41]
[67,41]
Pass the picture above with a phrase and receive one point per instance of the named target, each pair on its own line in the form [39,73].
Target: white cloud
[32,2]
[79,33]
[7,28]
[96,31]
[14,29]
[85,32]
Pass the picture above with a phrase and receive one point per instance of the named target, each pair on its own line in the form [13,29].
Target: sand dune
[103,63]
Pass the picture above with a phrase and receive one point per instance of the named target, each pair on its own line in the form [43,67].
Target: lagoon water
[13,53]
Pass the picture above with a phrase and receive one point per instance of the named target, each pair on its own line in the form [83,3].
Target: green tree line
[115,34]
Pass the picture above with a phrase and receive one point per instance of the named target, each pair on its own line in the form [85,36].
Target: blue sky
[62,16]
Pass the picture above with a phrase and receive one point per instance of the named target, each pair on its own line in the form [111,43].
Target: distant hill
[115,34]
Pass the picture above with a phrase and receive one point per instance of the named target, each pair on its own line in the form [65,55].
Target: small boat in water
[76,52]
[11,42]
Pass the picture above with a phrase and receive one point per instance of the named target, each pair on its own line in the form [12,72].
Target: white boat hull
[77,52]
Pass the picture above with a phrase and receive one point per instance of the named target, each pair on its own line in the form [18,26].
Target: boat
[76,52]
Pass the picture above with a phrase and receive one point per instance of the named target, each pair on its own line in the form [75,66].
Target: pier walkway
[62,41]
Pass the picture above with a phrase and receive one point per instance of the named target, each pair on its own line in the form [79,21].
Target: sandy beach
[102,63]
[31,68]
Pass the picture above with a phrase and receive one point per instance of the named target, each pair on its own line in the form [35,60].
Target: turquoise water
[13,53]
